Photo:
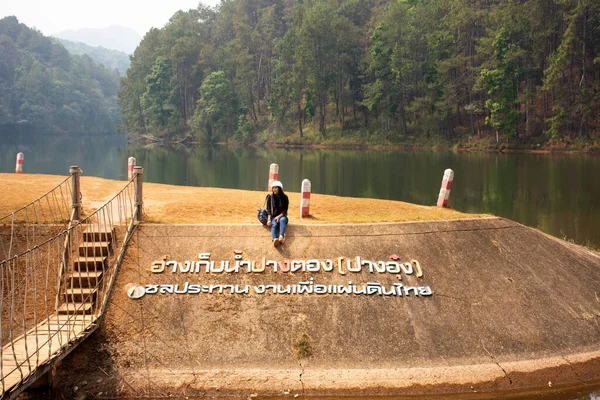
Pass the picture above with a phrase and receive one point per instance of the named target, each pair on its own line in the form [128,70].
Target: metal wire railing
[37,221]
[53,293]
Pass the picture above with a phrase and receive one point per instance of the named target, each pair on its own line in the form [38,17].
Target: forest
[44,89]
[485,72]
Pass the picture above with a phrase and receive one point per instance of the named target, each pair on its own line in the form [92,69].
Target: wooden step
[75,308]
[88,263]
[75,295]
[85,279]
[97,234]
[91,249]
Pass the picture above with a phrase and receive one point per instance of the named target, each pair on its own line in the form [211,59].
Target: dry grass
[195,205]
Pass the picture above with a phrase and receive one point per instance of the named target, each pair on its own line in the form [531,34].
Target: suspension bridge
[56,278]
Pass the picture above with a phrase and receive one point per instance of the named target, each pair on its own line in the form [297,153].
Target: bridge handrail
[71,227]
[45,195]
[27,306]
[52,207]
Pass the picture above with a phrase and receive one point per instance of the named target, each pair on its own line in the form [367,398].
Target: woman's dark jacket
[279,204]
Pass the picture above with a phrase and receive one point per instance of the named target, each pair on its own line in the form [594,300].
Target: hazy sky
[52,16]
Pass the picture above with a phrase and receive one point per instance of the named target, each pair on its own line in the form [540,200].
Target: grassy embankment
[196,205]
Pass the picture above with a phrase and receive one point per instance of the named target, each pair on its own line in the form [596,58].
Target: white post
[445,189]
[19,165]
[305,200]
[130,166]
[273,174]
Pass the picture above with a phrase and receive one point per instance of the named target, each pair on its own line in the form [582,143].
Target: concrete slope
[510,308]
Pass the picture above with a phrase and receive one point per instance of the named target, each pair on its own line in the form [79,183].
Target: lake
[557,193]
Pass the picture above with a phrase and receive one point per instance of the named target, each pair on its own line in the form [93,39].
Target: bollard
[130,165]
[305,200]
[139,202]
[445,190]
[273,174]
[75,194]
[19,165]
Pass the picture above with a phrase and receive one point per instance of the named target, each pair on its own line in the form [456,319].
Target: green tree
[216,114]
[133,86]
[500,84]
[286,98]
[158,101]
[567,77]
[392,66]
[316,53]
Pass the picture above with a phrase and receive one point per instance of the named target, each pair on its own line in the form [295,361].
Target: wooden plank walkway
[52,337]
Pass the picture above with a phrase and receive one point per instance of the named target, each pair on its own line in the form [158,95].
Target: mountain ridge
[113,37]
[112,59]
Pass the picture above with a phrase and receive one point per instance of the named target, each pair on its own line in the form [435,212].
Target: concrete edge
[344,225]
[527,374]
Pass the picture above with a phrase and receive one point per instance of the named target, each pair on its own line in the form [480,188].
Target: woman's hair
[281,192]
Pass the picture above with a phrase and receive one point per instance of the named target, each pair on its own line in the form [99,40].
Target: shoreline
[500,148]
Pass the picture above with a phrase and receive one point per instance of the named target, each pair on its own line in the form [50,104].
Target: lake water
[555,193]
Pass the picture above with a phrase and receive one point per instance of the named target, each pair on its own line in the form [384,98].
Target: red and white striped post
[273,174]
[445,190]
[130,166]
[305,201]
[19,165]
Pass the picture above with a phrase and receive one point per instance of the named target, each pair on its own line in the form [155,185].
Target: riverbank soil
[497,306]
[192,205]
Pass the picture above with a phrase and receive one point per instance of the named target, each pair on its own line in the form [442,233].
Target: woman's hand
[277,218]
[269,221]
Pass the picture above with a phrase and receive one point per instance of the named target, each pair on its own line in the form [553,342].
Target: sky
[52,16]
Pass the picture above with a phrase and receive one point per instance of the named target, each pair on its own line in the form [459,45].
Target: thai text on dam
[341,265]
[306,287]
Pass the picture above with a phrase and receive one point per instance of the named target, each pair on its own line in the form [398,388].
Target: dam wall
[393,308]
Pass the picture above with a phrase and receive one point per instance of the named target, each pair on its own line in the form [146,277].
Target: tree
[133,86]
[499,84]
[392,66]
[289,82]
[216,114]
[158,103]
[567,74]
[316,53]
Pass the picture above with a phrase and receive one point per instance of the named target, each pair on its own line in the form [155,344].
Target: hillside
[44,89]
[111,59]
[437,72]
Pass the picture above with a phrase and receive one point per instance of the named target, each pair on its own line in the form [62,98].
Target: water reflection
[555,193]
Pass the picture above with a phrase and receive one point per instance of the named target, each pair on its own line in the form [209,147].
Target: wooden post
[19,164]
[130,166]
[139,200]
[75,192]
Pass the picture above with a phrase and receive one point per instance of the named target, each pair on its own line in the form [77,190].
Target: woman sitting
[277,208]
